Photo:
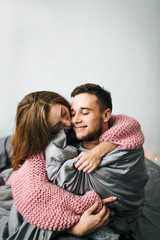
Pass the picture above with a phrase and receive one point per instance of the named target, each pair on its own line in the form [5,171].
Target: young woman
[41,203]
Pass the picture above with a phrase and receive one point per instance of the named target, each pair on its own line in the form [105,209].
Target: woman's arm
[44,204]
[89,160]
[90,222]
[124,132]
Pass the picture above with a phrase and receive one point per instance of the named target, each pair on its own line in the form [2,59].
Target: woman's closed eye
[72,113]
[63,112]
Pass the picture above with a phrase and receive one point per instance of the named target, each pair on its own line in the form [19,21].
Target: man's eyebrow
[86,108]
[83,108]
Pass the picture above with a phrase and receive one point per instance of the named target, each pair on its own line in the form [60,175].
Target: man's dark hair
[103,96]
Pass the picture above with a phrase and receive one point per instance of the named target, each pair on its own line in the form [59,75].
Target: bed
[147,228]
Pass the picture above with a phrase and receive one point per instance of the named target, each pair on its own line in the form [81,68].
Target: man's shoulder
[123,151]
[121,155]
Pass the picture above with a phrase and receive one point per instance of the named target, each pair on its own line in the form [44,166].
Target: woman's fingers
[78,163]
[90,222]
[103,212]
[84,167]
[112,213]
[90,170]
[103,216]
[92,208]
[87,161]
[109,199]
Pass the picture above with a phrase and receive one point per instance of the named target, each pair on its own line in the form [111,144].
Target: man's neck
[90,144]
[93,143]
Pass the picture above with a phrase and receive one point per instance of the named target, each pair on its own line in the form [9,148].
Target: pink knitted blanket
[44,204]
[124,131]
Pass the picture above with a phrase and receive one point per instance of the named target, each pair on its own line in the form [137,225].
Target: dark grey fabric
[5,153]
[147,228]
[14,227]
[121,173]
[5,157]
[148,225]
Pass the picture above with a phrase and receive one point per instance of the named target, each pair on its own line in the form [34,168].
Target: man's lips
[78,128]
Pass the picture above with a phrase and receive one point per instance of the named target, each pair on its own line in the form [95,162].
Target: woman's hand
[90,160]
[90,222]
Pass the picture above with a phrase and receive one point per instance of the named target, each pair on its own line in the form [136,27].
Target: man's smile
[78,128]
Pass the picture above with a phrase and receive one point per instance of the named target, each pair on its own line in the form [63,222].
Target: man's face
[87,119]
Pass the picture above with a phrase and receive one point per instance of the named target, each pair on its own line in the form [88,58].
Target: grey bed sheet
[121,172]
[13,226]
[148,225]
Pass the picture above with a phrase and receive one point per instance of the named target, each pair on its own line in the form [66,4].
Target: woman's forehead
[54,115]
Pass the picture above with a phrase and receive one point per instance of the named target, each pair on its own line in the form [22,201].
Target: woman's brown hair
[32,133]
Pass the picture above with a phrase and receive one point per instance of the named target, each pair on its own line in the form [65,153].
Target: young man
[121,173]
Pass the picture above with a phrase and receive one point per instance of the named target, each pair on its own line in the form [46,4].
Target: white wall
[59,44]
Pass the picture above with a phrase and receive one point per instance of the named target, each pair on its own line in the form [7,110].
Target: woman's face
[59,118]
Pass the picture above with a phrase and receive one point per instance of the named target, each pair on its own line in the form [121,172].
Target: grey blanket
[121,173]
[147,228]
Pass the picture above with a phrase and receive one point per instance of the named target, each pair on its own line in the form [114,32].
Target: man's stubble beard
[93,135]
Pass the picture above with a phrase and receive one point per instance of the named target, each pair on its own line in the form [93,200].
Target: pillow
[5,153]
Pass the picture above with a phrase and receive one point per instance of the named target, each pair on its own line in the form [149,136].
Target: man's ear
[107,114]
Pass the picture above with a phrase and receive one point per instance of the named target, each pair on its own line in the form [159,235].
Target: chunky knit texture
[44,204]
[124,131]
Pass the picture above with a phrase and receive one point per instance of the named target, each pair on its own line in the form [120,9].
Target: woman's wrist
[104,147]
[76,231]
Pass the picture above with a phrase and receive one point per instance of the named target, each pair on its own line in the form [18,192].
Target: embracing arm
[124,132]
[90,222]
[44,204]
[89,160]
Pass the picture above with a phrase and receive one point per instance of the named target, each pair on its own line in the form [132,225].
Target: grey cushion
[5,152]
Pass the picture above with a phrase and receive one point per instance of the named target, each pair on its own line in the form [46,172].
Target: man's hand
[90,222]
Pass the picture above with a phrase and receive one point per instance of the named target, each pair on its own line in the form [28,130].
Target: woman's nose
[66,122]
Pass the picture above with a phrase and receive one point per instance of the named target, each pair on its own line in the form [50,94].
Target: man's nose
[75,119]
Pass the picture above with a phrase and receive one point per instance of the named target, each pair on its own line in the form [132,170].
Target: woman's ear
[107,114]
